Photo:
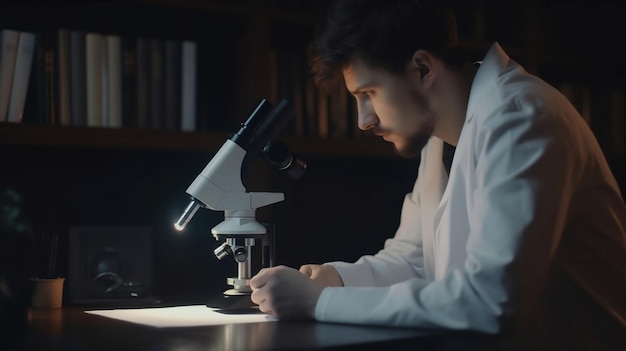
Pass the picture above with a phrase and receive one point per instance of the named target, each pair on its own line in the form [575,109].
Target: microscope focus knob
[241,254]
[223,251]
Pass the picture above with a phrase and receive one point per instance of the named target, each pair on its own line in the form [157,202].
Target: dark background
[338,210]
[344,206]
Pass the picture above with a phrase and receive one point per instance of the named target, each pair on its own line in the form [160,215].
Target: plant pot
[48,293]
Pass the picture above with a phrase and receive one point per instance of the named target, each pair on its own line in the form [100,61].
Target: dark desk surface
[71,329]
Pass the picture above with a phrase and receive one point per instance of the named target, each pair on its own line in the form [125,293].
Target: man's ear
[423,65]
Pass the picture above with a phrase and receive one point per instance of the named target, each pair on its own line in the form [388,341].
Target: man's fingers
[306,270]
[265,308]
[258,296]
[259,279]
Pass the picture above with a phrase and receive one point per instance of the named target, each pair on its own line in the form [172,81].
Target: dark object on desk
[230,302]
[110,266]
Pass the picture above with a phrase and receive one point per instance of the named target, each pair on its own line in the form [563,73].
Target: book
[8,53]
[49,40]
[188,86]
[323,125]
[78,79]
[21,76]
[297,96]
[283,84]
[105,82]
[114,81]
[35,107]
[338,114]
[289,86]
[310,115]
[129,82]
[172,67]
[272,68]
[157,87]
[94,54]
[142,69]
[63,77]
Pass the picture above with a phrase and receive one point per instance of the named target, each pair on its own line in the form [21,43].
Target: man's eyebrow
[360,88]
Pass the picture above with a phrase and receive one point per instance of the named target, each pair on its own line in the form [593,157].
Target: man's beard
[413,146]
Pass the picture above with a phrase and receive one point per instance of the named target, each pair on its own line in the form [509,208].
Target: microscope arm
[219,185]
[218,189]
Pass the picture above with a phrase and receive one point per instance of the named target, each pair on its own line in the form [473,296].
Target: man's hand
[326,275]
[285,293]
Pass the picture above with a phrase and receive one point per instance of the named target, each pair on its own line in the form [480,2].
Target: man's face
[392,106]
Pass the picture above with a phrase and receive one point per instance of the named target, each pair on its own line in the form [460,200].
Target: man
[526,234]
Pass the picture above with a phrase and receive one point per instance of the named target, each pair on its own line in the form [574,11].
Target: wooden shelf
[111,138]
[222,7]
[369,147]
[116,138]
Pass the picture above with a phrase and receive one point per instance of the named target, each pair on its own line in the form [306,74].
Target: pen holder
[47,293]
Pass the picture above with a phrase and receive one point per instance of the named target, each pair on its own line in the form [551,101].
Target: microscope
[219,187]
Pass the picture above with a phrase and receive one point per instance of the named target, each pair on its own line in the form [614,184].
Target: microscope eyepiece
[277,154]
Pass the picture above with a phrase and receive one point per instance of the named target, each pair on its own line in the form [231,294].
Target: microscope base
[235,292]
[233,304]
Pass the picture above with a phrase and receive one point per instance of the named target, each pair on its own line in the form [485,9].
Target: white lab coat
[530,207]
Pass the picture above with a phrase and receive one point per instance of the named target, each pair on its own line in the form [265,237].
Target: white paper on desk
[181,316]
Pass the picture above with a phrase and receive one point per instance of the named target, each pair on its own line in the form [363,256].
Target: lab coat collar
[490,67]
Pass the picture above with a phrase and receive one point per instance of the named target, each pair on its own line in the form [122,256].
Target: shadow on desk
[71,329]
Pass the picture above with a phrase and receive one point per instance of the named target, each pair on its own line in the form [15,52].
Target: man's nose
[366,117]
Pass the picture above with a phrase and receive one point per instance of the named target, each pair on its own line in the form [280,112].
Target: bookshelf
[249,50]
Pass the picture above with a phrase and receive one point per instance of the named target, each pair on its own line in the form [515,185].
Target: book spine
[50,91]
[188,86]
[63,78]
[284,83]
[297,94]
[322,115]
[104,73]
[21,76]
[272,58]
[114,62]
[310,113]
[338,118]
[36,105]
[172,84]
[93,64]
[129,82]
[78,80]
[143,72]
[157,87]
[8,53]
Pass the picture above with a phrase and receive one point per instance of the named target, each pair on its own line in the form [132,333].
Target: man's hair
[382,33]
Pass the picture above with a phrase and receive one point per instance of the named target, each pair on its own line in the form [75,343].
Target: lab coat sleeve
[516,213]
[402,257]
